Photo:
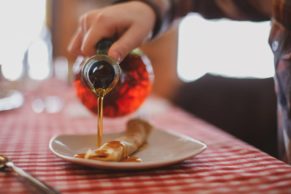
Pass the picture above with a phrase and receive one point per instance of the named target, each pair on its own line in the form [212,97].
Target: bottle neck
[101,52]
[103,46]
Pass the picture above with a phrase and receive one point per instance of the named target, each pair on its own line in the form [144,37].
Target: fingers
[75,46]
[93,27]
[124,21]
[129,40]
[76,42]
[93,36]
[91,32]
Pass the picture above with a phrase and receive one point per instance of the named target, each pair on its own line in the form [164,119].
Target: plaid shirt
[279,40]
[255,10]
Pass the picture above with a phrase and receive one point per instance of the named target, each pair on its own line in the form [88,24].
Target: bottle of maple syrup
[280,42]
[124,86]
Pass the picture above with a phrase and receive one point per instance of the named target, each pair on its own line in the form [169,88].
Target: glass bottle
[126,88]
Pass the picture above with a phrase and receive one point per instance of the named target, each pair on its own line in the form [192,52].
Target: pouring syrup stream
[101,73]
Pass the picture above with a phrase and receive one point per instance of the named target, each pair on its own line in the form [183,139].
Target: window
[224,47]
[24,39]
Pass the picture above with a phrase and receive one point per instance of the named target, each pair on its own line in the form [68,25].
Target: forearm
[256,10]
[168,10]
[253,10]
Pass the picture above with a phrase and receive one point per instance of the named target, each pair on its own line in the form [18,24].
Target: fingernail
[70,48]
[115,55]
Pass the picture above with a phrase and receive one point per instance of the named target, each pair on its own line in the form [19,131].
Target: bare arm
[132,22]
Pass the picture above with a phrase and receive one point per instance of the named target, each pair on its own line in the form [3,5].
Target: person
[134,22]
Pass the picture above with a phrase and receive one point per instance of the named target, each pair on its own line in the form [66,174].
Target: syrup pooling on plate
[132,159]
[103,153]
[122,148]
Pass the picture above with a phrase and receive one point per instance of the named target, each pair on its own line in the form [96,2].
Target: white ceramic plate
[162,149]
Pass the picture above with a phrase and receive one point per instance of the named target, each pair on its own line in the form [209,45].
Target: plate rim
[127,166]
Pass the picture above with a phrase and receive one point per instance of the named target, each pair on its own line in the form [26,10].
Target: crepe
[119,149]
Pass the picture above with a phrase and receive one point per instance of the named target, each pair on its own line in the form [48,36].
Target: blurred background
[219,70]
[34,37]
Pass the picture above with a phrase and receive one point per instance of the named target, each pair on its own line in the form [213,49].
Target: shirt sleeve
[253,10]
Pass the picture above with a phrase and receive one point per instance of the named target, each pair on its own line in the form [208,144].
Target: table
[227,166]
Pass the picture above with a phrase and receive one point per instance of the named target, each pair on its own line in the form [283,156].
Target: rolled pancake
[136,134]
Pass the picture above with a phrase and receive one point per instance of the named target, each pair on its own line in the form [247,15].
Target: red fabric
[227,166]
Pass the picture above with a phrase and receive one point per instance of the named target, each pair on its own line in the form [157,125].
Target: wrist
[164,13]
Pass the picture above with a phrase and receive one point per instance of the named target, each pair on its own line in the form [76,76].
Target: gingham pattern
[227,166]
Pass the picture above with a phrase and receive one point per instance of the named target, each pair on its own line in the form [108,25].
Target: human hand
[131,23]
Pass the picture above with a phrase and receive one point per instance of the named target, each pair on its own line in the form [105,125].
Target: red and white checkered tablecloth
[227,166]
